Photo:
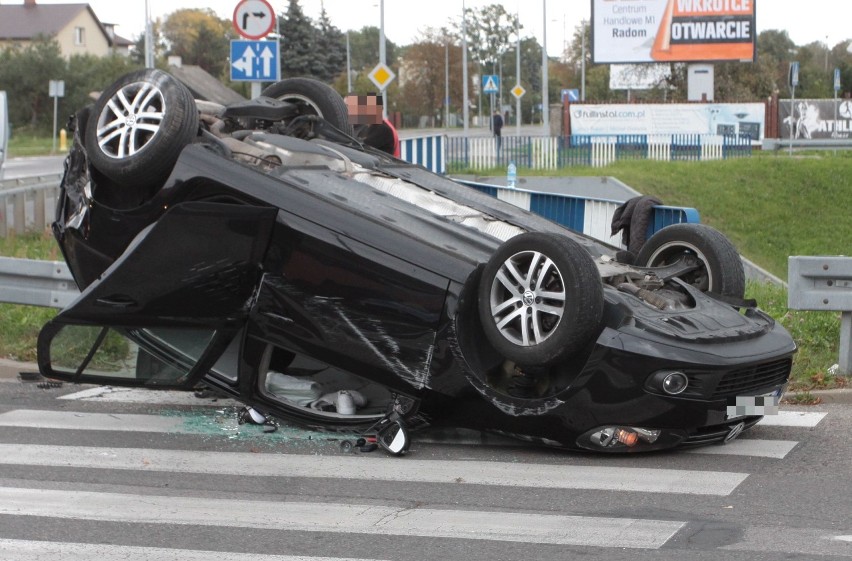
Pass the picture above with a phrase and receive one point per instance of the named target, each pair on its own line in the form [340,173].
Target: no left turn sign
[254,19]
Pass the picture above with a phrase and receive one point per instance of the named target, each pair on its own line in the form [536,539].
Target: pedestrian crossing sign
[490,83]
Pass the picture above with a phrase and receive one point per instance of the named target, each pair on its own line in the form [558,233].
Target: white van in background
[4,130]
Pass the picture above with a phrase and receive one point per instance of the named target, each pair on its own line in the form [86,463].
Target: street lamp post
[446,83]
[149,41]
[518,75]
[383,53]
[348,65]
[465,110]
[583,65]
[545,109]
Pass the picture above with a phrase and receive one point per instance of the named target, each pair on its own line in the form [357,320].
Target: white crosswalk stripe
[793,419]
[540,476]
[340,518]
[355,516]
[65,551]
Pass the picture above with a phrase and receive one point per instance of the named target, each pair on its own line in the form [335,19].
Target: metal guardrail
[36,283]
[28,204]
[824,283]
[779,144]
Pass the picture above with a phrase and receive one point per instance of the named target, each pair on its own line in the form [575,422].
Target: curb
[842,396]
[9,369]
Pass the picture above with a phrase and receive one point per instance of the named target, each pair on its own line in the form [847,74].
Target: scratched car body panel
[276,259]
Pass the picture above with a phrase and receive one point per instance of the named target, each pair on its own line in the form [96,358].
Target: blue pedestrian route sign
[255,61]
[490,83]
[570,95]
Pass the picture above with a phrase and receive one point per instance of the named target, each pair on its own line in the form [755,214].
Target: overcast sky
[805,22]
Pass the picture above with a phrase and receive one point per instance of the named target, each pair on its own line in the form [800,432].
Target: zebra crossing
[437,493]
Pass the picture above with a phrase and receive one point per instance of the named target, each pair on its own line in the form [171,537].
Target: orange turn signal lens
[626,437]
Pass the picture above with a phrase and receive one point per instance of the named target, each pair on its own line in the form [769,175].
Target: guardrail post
[845,362]
[824,283]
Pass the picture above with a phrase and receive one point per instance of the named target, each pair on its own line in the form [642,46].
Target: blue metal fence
[587,215]
[480,153]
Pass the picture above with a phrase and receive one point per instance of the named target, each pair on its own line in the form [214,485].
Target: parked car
[261,250]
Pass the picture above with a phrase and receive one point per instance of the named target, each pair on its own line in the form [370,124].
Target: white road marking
[33,418]
[749,447]
[538,476]
[792,419]
[141,395]
[67,551]
[369,519]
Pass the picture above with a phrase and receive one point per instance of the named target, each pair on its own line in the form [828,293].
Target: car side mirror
[394,438]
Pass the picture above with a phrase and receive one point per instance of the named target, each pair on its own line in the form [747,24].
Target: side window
[86,353]
[79,35]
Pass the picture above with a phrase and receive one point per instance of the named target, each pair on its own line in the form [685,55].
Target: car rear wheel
[313,98]
[720,269]
[139,126]
[540,298]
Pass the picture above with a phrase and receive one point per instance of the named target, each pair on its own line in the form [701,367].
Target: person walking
[497,128]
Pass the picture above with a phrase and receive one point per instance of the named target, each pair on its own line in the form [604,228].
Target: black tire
[721,269]
[138,127]
[531,326]
[313,98]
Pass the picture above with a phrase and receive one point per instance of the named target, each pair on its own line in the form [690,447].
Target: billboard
[814,118]
[727,119]
[638,31]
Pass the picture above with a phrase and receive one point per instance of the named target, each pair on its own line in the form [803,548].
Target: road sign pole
[55,111]
[836,88]
[518,79]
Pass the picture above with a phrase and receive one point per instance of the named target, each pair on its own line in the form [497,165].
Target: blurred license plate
[750,405]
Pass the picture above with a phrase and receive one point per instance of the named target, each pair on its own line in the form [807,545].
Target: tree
[423,75]
[298,44]
[199,38]
[364,49]
[331,48]
[25,73]
[158,46]
[490,33]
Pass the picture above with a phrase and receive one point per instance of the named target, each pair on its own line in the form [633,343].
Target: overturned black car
[262,250]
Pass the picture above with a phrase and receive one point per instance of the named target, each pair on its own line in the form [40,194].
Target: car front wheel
[719,268]
[139,126]
[540,298]
[312,97]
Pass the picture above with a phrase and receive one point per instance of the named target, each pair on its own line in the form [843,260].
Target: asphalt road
[27,167]
[86,472]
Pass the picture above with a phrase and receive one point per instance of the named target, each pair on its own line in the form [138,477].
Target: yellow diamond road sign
[518,91]
[382,76]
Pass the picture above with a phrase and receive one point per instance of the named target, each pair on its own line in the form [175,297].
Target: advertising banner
[633,31]
[729,119]
[814,118]
[638,76]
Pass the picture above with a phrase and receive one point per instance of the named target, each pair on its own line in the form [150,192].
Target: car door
[168,308]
